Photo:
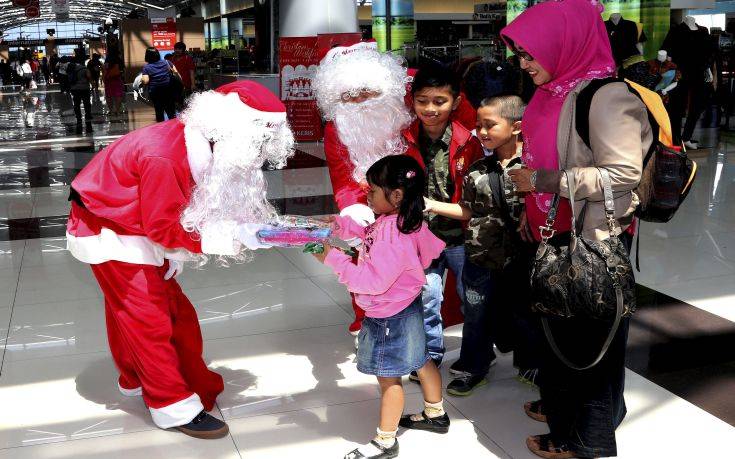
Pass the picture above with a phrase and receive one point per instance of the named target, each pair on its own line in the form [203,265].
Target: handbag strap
[605,345]
[547,230]
[609,200]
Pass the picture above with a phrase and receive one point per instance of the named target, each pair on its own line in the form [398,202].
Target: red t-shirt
[184,65]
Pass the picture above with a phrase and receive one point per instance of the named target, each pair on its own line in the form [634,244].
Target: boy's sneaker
[437,425]
[205,426]
[414,376]
[465,385]
[385,453]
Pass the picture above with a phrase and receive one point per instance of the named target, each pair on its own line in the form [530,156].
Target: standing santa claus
[360,92]
[189,189]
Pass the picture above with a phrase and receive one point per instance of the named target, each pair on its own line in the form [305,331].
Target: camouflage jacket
[491,236]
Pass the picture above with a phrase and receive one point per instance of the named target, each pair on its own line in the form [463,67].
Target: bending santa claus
[360,93]
[189,189]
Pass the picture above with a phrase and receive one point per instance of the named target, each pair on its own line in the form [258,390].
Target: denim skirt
[394,346]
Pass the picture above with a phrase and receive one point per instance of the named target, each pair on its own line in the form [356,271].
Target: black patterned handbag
[586,278]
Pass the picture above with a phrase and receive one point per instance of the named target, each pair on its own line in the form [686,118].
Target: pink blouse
[390,269]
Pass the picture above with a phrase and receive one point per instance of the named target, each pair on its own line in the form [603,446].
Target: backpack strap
[584,102]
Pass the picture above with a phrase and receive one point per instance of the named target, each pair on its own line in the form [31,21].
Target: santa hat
[259,103]
[341,51]
[242,107]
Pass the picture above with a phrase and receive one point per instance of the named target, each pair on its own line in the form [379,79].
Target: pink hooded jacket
[390,269]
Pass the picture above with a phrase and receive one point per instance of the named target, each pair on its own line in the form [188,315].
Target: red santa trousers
[156,342]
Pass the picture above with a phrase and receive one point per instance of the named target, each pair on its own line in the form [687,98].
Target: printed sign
[164,33]
[298,62]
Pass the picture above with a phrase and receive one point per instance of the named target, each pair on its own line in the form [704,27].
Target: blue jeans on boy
[432,295]
[477,352]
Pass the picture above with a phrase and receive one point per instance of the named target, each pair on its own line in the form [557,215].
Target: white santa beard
[228,192]
[371,130]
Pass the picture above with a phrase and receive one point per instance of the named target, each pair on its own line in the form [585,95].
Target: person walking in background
[45,70]
[157,74]
[26,72]
[112,78]
[186,67]
[53,67]
[79,78]
[95,69]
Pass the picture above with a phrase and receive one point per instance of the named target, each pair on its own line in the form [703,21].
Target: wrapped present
[293,236]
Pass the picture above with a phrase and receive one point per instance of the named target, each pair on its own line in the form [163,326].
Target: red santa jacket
[133,192]
[464,149]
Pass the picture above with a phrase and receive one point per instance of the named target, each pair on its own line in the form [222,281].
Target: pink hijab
[568,38]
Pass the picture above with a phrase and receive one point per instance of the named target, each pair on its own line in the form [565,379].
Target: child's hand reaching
[321,256]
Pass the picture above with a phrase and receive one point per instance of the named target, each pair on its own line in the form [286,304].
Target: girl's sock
[384,438]
[432,410]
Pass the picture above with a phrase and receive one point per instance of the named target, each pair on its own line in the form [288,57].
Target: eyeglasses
[521,54]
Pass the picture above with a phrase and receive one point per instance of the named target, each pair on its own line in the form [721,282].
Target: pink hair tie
[410,174]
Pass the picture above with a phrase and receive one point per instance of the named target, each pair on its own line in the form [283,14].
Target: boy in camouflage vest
[492,237]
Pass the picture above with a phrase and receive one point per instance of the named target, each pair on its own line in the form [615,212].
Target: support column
[298,18]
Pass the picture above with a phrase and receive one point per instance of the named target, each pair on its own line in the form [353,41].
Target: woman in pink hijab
[563,45]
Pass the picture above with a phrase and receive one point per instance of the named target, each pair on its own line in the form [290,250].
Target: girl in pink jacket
[387,281]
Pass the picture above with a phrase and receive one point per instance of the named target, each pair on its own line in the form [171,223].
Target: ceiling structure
[92,10]
[82,10]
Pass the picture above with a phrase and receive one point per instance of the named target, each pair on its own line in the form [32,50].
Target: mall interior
[277,327]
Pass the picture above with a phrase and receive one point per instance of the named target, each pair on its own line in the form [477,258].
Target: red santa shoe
[205,426]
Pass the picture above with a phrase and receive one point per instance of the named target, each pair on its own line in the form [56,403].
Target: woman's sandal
[534,411]
[542,446]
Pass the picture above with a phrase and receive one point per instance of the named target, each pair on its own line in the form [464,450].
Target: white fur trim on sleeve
[177,414]
[361,213]
[218,238]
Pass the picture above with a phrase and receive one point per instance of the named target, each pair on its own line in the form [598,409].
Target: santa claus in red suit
[189,189]
[360,93]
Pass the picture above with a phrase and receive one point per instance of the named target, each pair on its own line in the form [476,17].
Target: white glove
[246,233]
[708,77]
[362,215]
[175,268]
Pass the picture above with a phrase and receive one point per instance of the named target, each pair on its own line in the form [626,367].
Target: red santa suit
[125,222]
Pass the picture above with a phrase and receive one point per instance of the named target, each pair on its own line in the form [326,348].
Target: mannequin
[658,74]
[692,50]
[625,40]
[691,23]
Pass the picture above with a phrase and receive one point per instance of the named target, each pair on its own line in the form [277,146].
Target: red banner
[298,60]
[164,33]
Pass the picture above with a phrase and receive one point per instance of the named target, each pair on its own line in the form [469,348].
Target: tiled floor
[275,328]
